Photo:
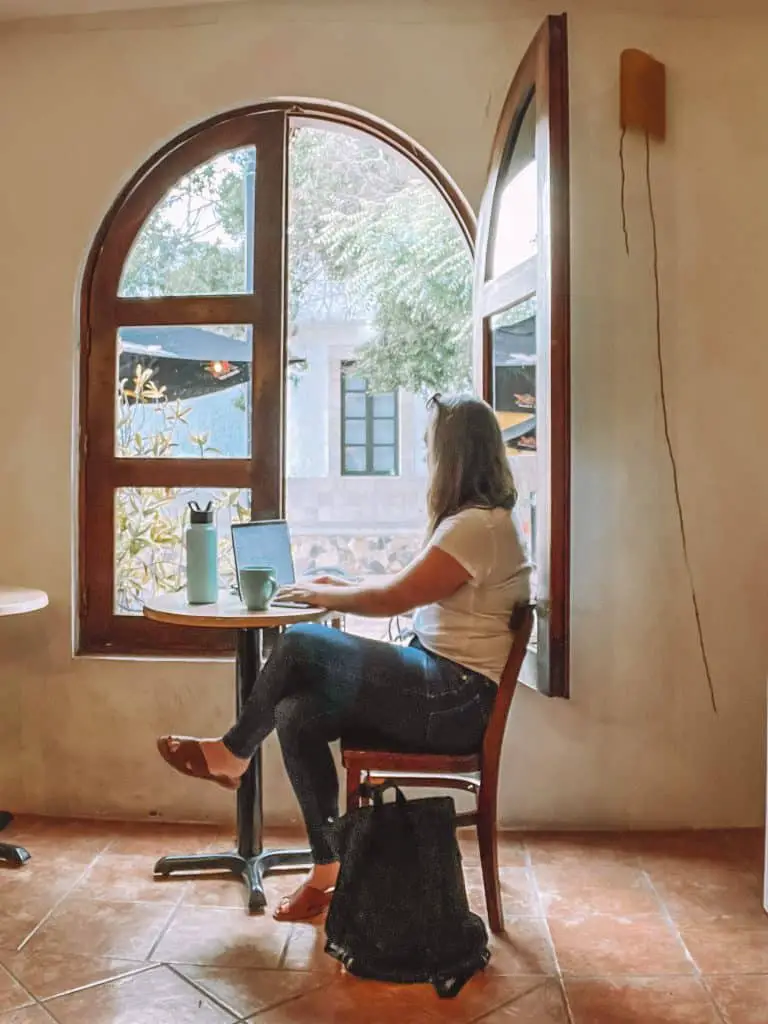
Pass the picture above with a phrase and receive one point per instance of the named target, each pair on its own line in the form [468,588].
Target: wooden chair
[474,773]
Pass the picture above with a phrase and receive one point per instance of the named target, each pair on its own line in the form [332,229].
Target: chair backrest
[521,624]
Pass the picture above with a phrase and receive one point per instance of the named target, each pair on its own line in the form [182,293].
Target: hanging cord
[665,411]
[623,167]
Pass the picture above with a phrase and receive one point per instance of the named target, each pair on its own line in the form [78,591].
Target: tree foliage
[150,521]
[369,239]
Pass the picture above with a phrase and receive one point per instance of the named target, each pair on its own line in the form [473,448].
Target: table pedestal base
[251,870]
[17,856]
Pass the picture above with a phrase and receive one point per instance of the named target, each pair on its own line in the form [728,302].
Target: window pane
[354,460]
[514,399]
[355,431]
[384,460]
[384,405]
[354,405]
[383,432]
[306,416]
[149,540]
[199,239]
[184,392]
[515,218]
[379,284]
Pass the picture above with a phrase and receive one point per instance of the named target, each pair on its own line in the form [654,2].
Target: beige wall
[85,103]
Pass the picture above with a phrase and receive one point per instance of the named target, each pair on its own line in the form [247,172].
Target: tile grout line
[80,878]
[46,1003]
[140,968]
[18,949]
[203,991]
[175,907]
[284,950]
[667,916]
[163,931]
[535,984]
[291,999]
[239,1019]
[540,904]
[32,996]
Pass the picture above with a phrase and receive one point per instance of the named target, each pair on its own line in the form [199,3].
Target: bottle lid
[200,515]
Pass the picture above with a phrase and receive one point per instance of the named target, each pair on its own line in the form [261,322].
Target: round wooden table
[17,601]
[250,861]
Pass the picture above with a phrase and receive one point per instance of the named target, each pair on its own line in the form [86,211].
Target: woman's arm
[433,576]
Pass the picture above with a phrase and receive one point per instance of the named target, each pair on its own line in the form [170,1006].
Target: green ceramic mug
[257,586]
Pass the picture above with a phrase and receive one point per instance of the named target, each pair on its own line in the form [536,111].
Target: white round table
[17,601]
[250,861]
[20,600]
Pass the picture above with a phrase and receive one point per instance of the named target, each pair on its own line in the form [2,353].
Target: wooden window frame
[369,422]
[103,312]
[543,69]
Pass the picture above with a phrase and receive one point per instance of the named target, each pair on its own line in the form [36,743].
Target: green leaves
[364,219]
[150,521]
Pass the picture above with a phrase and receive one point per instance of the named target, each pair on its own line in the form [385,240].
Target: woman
[434,696]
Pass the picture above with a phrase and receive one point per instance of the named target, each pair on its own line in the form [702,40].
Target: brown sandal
[305,904]
[187,758]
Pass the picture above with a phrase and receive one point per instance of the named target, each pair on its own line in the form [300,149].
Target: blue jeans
[321,683]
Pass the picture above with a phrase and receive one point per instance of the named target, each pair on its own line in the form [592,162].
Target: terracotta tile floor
[601,929]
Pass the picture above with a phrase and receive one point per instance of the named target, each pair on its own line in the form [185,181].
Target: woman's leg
[306,726]
[403,696]
[228,757]
[353,681]
[290,668]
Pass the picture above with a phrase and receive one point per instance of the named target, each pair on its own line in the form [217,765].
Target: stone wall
[354,553]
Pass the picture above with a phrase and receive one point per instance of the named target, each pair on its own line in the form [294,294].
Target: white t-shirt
[472,626]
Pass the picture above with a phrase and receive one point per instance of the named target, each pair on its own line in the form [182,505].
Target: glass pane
[515,218]
[199,238]
[184,392]
[355,431]
[354,460]
[379,285]
[514,399]
[149,540]
[354,405]
[384,405]
[384,460]
[383,432]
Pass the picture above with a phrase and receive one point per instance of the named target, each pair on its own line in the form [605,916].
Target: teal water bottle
[202,555]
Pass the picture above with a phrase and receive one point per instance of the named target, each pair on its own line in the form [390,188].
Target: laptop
[266,542]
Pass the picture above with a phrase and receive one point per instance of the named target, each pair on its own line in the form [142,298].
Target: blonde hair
[468,464]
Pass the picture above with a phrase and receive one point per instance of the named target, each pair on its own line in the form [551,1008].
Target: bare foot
[221,761]
[323,876]
[312,897]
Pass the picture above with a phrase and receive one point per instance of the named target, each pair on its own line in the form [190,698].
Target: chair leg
[353,784]
[489,862]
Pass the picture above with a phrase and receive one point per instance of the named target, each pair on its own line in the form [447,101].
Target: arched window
[262,309]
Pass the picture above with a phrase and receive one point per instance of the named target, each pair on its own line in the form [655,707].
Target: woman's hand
[331,581]
[303,593]
[433,576]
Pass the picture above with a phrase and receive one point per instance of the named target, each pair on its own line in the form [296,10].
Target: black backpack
[400,912]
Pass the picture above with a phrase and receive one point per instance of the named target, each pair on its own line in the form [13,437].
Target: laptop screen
[264,543]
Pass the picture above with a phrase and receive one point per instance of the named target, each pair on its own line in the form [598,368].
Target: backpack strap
[376,793]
